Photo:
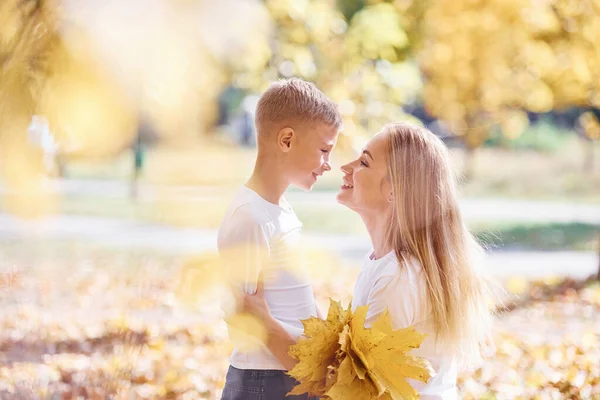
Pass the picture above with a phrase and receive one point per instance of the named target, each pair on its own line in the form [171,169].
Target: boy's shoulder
[250,212]
[246,208]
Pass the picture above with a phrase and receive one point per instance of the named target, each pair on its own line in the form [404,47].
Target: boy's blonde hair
[292,101]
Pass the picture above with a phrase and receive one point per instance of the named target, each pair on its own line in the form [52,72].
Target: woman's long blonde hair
[426,223]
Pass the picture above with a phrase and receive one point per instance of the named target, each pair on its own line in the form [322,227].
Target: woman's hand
[278,340]
[255,304]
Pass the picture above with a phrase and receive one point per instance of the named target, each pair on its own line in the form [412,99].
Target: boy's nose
[326,166]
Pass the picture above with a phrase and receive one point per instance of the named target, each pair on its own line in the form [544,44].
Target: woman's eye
[364,164]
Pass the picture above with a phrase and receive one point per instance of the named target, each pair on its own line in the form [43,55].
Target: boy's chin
[304,186]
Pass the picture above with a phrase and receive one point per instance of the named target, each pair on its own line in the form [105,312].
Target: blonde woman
[421,263]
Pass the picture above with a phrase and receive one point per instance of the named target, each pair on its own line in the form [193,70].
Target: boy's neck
[267,182]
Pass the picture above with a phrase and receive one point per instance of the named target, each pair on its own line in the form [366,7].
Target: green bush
[540,136]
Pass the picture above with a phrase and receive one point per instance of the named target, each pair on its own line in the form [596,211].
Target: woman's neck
[377,228]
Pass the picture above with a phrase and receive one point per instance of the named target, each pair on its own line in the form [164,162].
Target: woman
[421,265]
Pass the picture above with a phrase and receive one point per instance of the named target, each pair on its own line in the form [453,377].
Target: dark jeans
[254,384]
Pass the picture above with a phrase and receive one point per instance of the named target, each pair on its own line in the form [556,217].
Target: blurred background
[126,128]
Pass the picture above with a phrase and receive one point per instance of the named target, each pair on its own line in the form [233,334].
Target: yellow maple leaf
[339,358]
[317,350]
[384,354]
[350,386]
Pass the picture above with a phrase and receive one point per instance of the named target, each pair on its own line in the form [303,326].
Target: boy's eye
[324,151]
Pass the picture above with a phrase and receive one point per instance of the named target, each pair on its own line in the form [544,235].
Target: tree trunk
[59,162]
[133,189]
[588,142]
[469,162]
[588,158]
[598,276]
[138,161]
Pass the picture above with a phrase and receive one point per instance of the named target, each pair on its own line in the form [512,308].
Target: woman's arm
[279,342]
[278,339]
[396,295]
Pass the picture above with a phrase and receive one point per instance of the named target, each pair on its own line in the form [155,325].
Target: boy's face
[310,153]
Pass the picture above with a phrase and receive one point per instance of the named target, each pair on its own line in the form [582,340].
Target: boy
[297,128]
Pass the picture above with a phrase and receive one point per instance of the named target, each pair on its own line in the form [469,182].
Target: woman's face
[366,188]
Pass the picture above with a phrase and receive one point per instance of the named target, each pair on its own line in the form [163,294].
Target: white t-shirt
[402,289]
[266,237]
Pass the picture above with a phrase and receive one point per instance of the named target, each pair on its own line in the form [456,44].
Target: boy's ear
[284,139]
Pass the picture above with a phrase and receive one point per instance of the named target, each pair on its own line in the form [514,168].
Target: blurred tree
[350,7]
[484,62]
[598,275]
[27,39]
[467,59]
[589,129]
[90,69]
[357,54]
[567,33]
[565,57]
[45,72]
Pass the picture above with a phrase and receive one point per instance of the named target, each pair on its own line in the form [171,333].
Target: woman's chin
[342,197]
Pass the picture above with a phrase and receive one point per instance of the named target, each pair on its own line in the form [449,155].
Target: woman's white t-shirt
[402,288]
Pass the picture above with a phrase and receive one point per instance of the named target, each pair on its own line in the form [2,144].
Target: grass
[492,234]
[521,172]
[553,174]
[67,253]
[335,220]
[554,236]
[542,136]
[531,174]
[205,213]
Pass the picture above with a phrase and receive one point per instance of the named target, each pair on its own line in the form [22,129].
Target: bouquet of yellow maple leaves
[341,359]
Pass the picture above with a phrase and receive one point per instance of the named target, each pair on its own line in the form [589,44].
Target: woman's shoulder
[407,268]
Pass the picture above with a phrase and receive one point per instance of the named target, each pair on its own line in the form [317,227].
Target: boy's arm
[244,250]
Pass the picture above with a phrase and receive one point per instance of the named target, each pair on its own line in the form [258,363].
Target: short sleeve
[244,248]
[398,296]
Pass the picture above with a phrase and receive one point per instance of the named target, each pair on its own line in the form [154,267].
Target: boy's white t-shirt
[258,236]
[402,289]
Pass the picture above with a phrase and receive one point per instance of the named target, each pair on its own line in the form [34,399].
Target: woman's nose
[346,168]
